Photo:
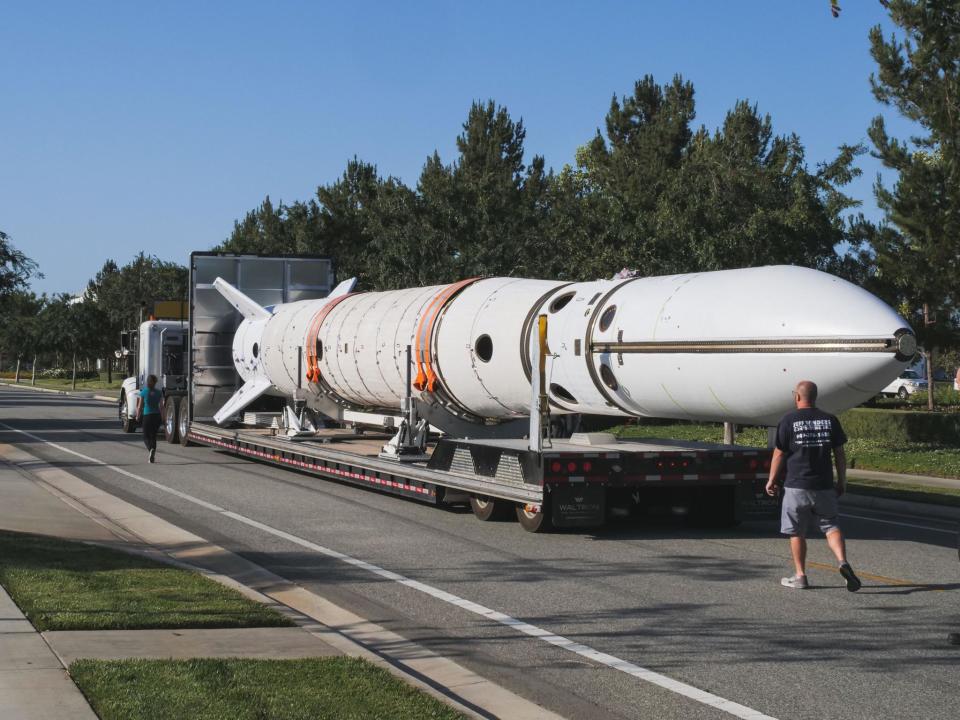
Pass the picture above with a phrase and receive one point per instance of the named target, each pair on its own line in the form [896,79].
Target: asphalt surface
[703,607]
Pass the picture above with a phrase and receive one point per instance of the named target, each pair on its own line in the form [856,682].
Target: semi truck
[536,465]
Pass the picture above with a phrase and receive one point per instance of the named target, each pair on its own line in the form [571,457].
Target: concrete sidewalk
[34,684]
[33,681]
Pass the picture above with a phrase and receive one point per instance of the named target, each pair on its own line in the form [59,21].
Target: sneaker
[853,582]
[153,458]
[797,582]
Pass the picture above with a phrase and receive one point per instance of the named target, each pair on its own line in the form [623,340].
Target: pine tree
[918,74]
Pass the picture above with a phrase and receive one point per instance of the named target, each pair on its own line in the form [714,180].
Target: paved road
[703,608]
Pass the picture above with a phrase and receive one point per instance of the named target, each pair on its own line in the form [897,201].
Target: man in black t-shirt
[808,440]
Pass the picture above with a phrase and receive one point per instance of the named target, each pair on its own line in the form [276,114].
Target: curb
[905,507]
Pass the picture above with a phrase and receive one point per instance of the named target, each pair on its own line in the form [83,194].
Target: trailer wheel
[127,423]
[534,521]
[490,509]
[183,423]
[171,420]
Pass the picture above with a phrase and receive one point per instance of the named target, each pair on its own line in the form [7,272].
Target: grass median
[903,491]
[63,585]
[913,459]
[88,385]
[231,689]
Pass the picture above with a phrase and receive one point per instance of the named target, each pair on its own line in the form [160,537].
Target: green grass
[82,385]
[901,491]
[703,432]
[313,689]
[912,459]
[63,585]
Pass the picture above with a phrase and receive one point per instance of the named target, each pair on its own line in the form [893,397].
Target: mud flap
[578,505]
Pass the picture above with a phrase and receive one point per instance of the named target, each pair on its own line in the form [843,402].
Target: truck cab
[158,348]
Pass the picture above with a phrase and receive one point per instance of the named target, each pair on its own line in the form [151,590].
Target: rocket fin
[241,398]
[344,288]
[244,305]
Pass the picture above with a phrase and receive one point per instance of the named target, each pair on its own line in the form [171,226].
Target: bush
[902,426]
[67,373]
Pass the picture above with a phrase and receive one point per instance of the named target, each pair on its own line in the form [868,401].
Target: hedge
[67,374]
[902,426]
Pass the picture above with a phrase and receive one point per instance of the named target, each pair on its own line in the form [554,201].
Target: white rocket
[716,346]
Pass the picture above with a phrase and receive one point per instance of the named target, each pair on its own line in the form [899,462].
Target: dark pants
[151,426]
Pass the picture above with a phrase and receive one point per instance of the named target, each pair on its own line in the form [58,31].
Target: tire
[903,393]
[171,420]
[534,522]
[183,423]
[127,424]
[490,509]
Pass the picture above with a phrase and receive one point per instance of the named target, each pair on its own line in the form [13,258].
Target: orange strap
[426,376]
[313,337]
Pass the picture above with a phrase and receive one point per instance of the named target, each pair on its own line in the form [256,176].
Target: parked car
[904,386]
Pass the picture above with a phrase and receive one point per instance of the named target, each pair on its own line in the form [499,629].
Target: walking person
[149,406]
[806,439]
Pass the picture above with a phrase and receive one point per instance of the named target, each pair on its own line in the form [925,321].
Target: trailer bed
[577,481]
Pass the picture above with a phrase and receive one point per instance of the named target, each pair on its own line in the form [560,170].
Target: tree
[493,196]
[19,326]
[918,251]
[663,198]
[122,293]
[745,197]
[121,296]
[15,267]
[72,327]
[344,216]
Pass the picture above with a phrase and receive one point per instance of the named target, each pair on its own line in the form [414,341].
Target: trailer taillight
[571,467]
[556,466]
[587,466]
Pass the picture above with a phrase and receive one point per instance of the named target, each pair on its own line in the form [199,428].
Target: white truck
[905,385]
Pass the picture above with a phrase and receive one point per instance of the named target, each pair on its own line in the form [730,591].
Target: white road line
[901,524]
[611,661]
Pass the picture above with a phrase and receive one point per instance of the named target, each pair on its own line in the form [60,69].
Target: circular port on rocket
[606,374]
[562,393]
[483,347]
[607,318]
[561,302]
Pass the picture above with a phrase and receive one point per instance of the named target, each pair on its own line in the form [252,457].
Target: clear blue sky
[130,126]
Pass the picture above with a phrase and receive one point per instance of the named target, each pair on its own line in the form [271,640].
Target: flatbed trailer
[579,482]
[574,482]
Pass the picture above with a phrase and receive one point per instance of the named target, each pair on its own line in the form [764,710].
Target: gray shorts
[802,507]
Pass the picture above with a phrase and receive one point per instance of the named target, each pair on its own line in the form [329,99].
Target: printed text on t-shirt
[812,433]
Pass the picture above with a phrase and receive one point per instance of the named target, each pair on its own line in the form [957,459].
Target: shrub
[67,373]
[902,426]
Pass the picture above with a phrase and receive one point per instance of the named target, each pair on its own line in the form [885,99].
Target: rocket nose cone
[732,344]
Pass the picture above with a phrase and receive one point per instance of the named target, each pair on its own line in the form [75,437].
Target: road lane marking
[611,661]
[902,524]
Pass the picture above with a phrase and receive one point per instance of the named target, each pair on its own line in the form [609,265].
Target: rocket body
[718,346]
